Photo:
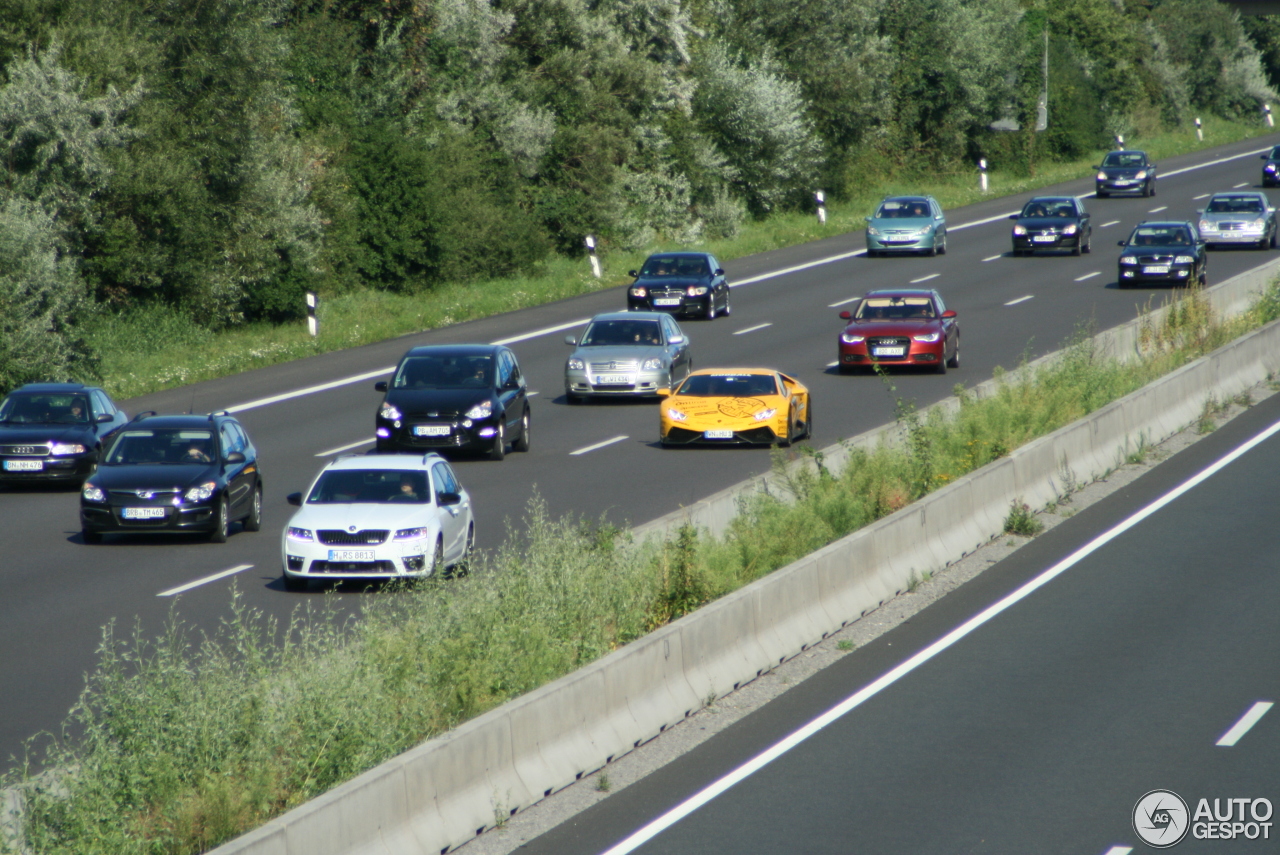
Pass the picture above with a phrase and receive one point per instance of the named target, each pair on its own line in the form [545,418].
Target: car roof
[453,350]
[629,316]
[679,254]
[384,461]
[1128,151]
[1051,199]
[52,387]
[769,371]
[179,420]
[907,199]
[1238,194]
[902,292]
[1160,224]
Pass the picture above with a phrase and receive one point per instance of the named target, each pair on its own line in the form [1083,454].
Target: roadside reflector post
[313,325]
[1266,111]
[1199,130]
[822,207]
[591,253]
[982,175]
[1120,141]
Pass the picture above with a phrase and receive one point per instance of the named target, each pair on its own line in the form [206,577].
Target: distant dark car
[684,283]
[900,327]
[1270,177]
[1239,217]
[455,396]
[1163,252]
[54,431]
[1052,222]
[1126,172]
[170,474]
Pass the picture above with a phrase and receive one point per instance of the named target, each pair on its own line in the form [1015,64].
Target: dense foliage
[222,157]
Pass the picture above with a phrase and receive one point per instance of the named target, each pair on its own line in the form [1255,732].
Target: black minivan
[455,396]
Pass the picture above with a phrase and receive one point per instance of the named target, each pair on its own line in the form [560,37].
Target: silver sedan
[626,354]
[1239,218]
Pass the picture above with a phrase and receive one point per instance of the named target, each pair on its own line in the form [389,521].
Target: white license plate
[888,351]
[431,430]
[23,465]
[666,301]
[718,433]
[1045,238]
[1162,268]
[143,513]
[613,380]
[1120,182]
[351,555]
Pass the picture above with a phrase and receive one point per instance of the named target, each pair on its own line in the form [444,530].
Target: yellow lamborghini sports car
[736,406]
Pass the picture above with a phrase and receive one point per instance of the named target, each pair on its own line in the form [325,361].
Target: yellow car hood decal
[723,410]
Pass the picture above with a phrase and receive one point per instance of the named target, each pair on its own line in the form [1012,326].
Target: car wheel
[808,420]
[220,523]
[499,449]
[1152,184]
[463,565]
[711,309]
[1272,242]
[437,559]
[941,366]
[1088,243]
[727,310]
[1078,249]
[522,444]
[954,361]
[296,583]
[90,536]
[942,250]
[786,441]
[253,522]
[932,252]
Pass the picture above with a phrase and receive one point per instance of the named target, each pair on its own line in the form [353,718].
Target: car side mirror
[949,313]
[719,271]
[446,499]
[846,315]
[1120,243]
[380,386]
[1263,156]
[868,219]
[1271,210]
[633,274]
[106,417]
[664,393]
[1095,167]
[1014,216]
[676,339]
[569,339]
[937,216]
[236,457]
[294,499]
[1200,211]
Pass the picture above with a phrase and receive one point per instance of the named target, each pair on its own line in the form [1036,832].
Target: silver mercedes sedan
[626,354]
[1240,217]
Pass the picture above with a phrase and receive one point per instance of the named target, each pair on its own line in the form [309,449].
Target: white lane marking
[1248,720]
[993,257]
[1158,210]
[1238,186]
[1020,300]
[750,280]
[541,332]
[346,447]
[1112,223]
[925,278]
[833,364]
[532,394]
[1119,850]
[753,329]
[764,758]
[1214,162]
[1089,275]
[598,445]
[1201,196]
[298,393]
[843,302]
[206,580]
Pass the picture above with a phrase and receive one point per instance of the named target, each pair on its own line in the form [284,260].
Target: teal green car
[907,224]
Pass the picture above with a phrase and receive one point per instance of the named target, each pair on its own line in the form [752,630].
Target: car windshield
[45,409]
[444,372]
[1235,205]
[1125,158]
[1049,208]
[894,208]
[370,486]
[1160,236]
[150,447]
[896,309]
[728,385]
[605,333]
[668,265]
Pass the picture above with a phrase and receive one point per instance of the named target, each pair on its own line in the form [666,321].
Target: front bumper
[1230,236]
[1121,185]
[639,384]
[900,243]
[1138,273]
[761,435]
[408,559]
[18,468]
[914,353]
[1030,243]
[682,305]
[110,517]
[421,435]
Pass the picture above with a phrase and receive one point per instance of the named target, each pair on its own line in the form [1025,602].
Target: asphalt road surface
[60,592]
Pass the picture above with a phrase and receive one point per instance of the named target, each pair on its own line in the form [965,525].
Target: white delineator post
[1199,130]
[591,253]
[982,175]
[1120,141]
[1266,111]
[313,325]
[822,207]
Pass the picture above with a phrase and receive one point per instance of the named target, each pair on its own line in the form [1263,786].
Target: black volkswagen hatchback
[168,474]
[685,283]
[454,396]
[1125,171]
[54,431]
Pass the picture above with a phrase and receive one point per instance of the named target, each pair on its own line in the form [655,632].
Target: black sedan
[1270,175]
[54,431]
[172,474]
[1163,252]
[1052,222]
[685,283]
[454,396]
[1125,172]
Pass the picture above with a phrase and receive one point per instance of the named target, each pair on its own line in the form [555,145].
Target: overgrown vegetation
[188,740]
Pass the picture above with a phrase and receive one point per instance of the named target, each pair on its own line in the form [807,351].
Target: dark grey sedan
[626,354]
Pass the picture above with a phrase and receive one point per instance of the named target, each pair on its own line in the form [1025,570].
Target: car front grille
[433,416]
[1155,259]
[381,568]
[35,450]
[336,537]
[1231,227]
[155,497]
[661,293]
[623,366]
[889,341]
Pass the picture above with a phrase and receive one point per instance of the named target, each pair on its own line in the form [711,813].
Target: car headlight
[1141,175]
[1102,176]
[1019,230]
[639,291]
[1206,226]
[576,364]
[1184,259]
[872,230]
[411,533]
[696,290]
[201,492]
[766,414]
[1128,259]
[482,410]
[93,493]
[1070,230]
[850,338]
[675,415]
[927,338]
[1270,167]
[1255,226]
[66,448]
[654,364]
[295,533]
[389,412]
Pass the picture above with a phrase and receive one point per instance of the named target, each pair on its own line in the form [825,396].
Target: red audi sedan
[905,327]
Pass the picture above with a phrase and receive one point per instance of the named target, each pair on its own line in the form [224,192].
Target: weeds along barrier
[443,792]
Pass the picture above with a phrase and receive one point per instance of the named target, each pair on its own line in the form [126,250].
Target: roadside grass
[146,350]
[188,740]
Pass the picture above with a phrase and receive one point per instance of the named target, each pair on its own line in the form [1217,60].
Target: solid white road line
[764,758]
[542,332]
[753,329]
[1119,850]
[206,580]
[843,302]
[1089,275]
[993,257]
[598,445]
[1238,186]
[1020,300]
[925,278]
[833,364]
[298,393]
[751,280]
[532,394]
[346,447]
[1196,166]
[1112,223]
[1158,210]
[1248,720]
[1201,196]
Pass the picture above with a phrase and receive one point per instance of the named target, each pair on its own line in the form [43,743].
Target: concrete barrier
[440,794]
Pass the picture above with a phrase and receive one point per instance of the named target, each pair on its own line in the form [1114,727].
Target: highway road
[1133,647]
[595,460]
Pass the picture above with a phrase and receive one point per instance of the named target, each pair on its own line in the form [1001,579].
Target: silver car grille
[623,365]
[38,450]
[1155,259]
[162,496]
[337,537]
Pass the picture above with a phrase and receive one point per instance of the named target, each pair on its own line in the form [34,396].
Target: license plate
[1162,268]
[1120,182]
[351,554]
[718,433]
[431,430]
[143,513]
[666,301]
[23,465]
[1045,238]
[613,380]
[888,351]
